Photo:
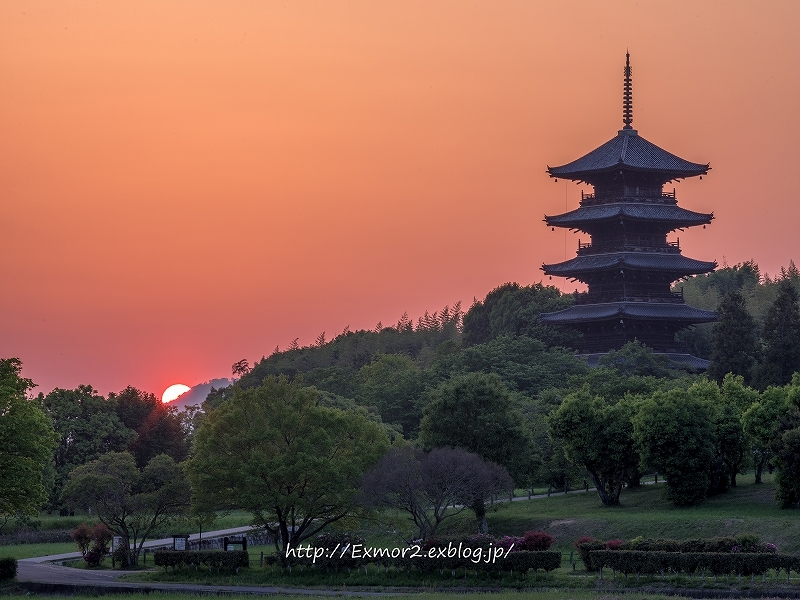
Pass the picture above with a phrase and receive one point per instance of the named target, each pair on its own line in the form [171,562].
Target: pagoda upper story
[629,264]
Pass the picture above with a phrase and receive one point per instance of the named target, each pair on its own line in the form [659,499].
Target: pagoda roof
[641,261]
[645,311]
[628,150]
[639,211]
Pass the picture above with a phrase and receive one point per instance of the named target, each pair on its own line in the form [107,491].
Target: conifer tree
[780,339]
[733,340]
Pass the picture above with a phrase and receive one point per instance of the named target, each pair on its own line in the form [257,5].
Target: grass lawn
[748,508]
[32,550]
[11,592]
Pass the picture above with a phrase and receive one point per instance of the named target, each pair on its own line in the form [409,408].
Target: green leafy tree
[733,442]
[476,412]
[781,339]
[88,427]
[159,427]
[130,502]
[760,422]
[636,359]
[513,310]
[786,448]
[733,339]
[274,452]
[599,436]
[675,434]
[27,441]
[394,384]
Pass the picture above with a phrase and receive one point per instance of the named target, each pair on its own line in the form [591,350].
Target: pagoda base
[680,360]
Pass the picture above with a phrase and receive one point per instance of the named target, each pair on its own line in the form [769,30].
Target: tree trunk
[760,468]
[608,499]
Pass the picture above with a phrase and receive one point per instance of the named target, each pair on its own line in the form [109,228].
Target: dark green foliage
[276,453]
[120,557]
[733,340]
[599,436]
[8,568]
[352,350]
[89,427]
[609,383]
[476,412]
[158,426]
[513,310]
[232,560]
[586,546]
[634,358]
[760,422]
[130,502]
[394,385]
[523,363]
[781,339]
[711,563]
[27,440]
[723,281]
[675,433]
[785,446]
[442,557]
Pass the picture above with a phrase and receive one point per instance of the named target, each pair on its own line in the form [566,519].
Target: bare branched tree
[433,486]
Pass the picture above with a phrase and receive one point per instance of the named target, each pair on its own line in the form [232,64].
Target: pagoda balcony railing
[624,295]
[626,245]
[629,193]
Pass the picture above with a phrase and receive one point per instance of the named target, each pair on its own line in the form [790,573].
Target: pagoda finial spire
[627,98]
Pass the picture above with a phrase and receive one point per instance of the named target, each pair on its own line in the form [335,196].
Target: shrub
[82,536]
[102,536]
[8,568]
[538,541]
[93,557]
[514,543]
[120,556]
[614,544]
[585,545]
[213,559]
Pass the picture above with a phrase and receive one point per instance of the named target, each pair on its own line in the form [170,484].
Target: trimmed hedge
[713,563]
[742,544]
[519,562]
[8,568]
[213,559]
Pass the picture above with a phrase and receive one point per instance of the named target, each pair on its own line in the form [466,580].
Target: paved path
[44,574]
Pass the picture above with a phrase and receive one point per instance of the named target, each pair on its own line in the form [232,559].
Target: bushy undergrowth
[8,568]
[213,559]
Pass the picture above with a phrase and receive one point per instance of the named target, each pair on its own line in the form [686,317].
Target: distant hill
[198,393]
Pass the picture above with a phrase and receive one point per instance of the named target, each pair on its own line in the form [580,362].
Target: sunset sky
[186,184]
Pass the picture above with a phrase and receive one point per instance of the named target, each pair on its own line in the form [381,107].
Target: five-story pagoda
[629,265]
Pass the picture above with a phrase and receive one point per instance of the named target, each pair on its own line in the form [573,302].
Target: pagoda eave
[635,311]
[669,215]
[662,262]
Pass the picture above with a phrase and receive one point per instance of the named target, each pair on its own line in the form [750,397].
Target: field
[749,508]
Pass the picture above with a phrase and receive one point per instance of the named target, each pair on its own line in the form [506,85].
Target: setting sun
[173,391]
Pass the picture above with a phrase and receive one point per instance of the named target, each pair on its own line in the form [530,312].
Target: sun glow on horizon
[173,391]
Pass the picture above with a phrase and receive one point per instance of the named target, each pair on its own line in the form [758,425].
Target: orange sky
[185,184]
